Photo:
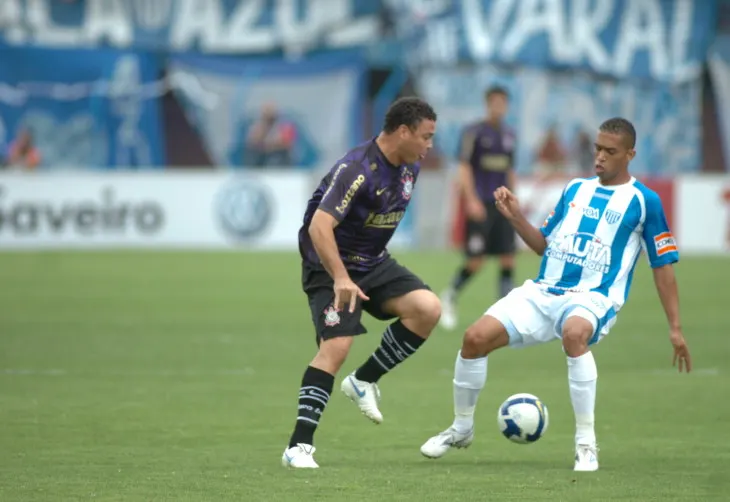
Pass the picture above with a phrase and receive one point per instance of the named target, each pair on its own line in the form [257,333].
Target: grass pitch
[174,376]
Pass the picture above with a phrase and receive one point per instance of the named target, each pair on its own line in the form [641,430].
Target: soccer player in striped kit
[589,246]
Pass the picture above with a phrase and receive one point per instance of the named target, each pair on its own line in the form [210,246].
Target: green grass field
[173,377]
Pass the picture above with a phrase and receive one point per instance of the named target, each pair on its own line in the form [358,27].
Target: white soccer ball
[523,418]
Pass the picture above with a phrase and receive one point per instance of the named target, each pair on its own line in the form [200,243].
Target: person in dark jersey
[346,268]
[486,162]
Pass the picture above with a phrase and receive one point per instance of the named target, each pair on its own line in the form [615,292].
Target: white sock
[582,376]
[470,375]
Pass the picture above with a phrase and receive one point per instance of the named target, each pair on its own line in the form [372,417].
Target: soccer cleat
[300,456]
[366,395]
[586,458]
[437,446]
[449,319]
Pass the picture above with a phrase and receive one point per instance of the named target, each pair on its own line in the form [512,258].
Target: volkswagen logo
[245,209]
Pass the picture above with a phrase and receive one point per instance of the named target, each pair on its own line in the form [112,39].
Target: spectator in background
[584,154]
[270,140]
[22,154]
[551,157]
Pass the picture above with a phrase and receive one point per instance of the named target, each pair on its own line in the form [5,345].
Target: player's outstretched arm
[509,206]
[666,285]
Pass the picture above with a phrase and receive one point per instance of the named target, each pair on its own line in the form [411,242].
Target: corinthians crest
[331,316]
[407,181]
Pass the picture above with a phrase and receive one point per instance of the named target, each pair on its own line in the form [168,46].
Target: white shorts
[533,316]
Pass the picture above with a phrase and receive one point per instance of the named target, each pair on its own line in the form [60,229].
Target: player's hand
[475,210]
[681,351]
[507,203]
[347,293]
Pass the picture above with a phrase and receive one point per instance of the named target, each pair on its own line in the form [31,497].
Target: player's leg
[581,327]
[399,294]
[515,320]
[334,330]
[474,247]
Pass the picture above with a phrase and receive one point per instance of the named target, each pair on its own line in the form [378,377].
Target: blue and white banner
[223,26]
[83,108]
[322,97]
[720,72]
[664,40]
[667,118]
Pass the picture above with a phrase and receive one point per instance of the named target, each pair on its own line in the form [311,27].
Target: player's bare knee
[483,337]
[419,311]
[576,334]
[474,264]
[332,354]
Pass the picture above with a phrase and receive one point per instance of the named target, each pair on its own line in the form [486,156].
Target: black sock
[505,282]
[313,396]
[460,279]
[398,343]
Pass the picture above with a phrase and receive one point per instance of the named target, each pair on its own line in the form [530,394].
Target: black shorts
[387,280]
[494,236]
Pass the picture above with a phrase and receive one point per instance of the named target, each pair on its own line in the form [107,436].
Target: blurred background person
[22,155]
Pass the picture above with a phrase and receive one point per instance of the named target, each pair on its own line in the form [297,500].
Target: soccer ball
[523,418]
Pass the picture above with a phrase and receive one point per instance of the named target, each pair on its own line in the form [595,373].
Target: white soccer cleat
[366,395]
[449,318]
[586,458]
[300,456]
[437,446]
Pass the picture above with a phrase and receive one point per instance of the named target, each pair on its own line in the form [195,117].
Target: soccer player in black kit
[486,162]
[346,269]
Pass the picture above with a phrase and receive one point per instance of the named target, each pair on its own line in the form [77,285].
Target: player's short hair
[408,111]
[621,127]
[496,90]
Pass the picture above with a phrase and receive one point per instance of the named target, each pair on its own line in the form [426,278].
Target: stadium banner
[326,108]
[659,40]
[538,197]
[210,26]
[703,218]
[83,108]
[152,209]
[667,118]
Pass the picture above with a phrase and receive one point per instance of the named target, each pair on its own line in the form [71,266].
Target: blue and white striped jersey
[595,236]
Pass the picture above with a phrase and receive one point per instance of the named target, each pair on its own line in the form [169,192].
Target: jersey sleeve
[347,183]
[659,243]
[555,217]
[466,144]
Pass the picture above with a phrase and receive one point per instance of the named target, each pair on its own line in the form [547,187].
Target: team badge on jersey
[665,243]
[331,316]
[407,181]
[612,217]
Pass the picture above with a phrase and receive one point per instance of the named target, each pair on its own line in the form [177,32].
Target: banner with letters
[667,118]
[83,108]
[322,97]
[152,209]
[659,40]
[211,26]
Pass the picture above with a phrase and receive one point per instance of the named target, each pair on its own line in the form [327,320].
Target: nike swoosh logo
[380,191]
[359,392]
[288,458]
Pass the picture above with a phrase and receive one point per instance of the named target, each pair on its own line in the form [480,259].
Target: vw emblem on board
[245,209]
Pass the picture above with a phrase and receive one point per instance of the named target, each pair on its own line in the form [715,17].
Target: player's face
[612,156]
[497,106]
[415,143]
